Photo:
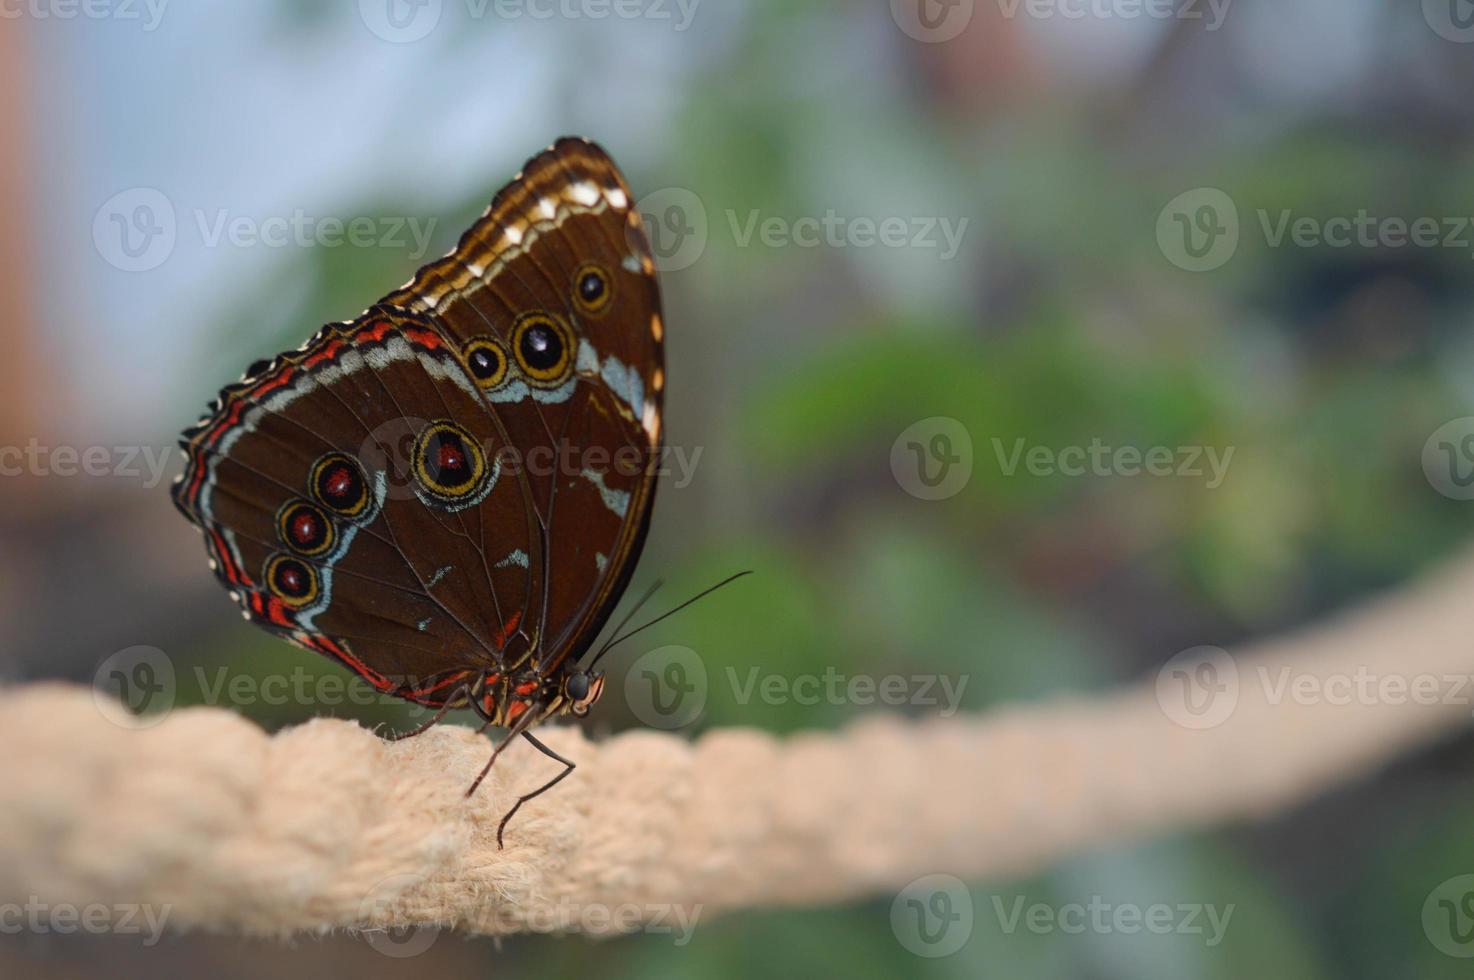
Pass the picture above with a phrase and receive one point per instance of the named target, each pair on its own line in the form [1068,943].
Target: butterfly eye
[338,484]
[544,348]
[292,581]
[305,528]
[448,463]
[577,687]
[486,362]
[592,289]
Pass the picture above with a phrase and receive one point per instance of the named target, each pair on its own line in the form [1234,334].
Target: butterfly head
[581,689]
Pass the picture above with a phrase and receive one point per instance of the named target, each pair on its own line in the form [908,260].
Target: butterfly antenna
[621,637]
[649,594]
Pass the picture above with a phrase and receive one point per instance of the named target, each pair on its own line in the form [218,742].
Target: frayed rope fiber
[326,825]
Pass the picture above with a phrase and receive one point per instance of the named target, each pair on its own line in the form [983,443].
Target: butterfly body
[448,494]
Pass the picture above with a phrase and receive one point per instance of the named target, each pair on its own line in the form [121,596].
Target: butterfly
[448,495]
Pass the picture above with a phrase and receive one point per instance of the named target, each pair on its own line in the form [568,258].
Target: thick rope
[325,825]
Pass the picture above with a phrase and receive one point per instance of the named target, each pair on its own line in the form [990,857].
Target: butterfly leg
[445,709]
[568,763]
[517,729]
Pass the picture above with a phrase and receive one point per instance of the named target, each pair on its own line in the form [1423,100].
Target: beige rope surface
[326,825]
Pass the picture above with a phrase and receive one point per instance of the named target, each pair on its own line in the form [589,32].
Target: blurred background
[905,245]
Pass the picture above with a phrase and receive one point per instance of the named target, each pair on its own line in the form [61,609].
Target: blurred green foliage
[1060,323]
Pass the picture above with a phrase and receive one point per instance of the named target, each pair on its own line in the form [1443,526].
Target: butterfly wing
[554,288]
[463,475]
[309,482]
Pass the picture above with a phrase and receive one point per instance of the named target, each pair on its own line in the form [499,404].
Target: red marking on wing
[452,680]
[325,644]
[509,629]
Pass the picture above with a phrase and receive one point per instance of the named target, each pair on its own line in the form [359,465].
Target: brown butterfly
[449,494]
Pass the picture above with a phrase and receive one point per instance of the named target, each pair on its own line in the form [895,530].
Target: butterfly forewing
[561,255]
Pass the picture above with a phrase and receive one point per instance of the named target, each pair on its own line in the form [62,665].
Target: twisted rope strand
[325,825]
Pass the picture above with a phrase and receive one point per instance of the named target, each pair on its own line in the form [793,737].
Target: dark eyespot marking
[338,483]
[291,580]
[486,361]
[448,464]
[543,345]
[305,528]
[593,289]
